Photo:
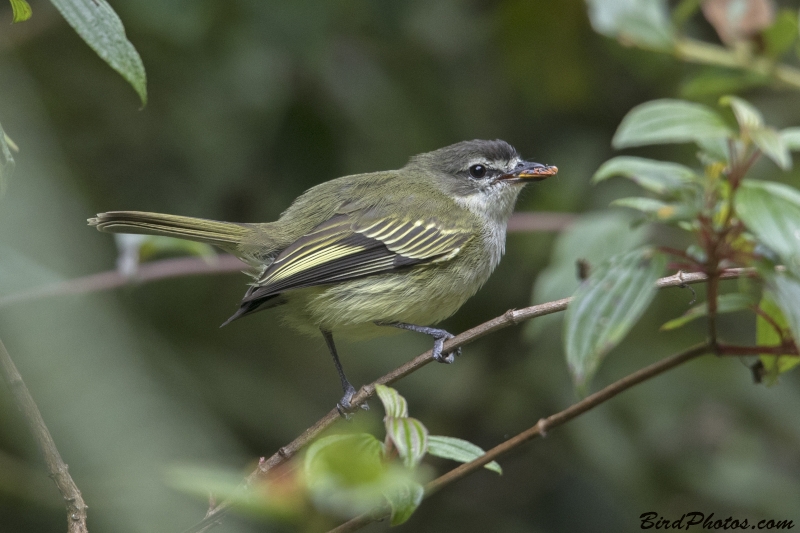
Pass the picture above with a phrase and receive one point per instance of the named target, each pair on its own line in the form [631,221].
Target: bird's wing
[346,247]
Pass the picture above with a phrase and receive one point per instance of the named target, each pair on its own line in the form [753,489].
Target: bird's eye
[477,171]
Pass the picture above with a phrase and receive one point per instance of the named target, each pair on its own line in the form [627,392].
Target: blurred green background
[250,103]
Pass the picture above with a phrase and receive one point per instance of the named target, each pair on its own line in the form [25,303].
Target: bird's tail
[226,235]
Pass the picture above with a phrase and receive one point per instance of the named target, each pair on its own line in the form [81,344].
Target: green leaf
[713,150]
[751,123]
[771,143]
[669,121]
[645,205]
[606,306]
[404,500]
[459,450]
[645,22]
[656,209]
[347,474]
[791,138]
[660,177]
[771,211]
[726,303]
[766,335]
[784,288]
[393,403]
[7,163]
[594,237]
[779,37]
[410,437]
[352,458]
[746,114]
[101,28]
[712,82]
[21,11]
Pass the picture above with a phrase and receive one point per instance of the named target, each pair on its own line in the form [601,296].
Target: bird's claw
[345,405]
[438,346]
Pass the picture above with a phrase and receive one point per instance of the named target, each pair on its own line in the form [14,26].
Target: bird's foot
[439,338]
[345,405]
[438,345]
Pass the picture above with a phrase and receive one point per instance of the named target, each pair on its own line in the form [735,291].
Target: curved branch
[509,318]
[76,507]
[539,430]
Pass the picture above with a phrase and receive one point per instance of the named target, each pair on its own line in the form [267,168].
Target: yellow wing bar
[339,249]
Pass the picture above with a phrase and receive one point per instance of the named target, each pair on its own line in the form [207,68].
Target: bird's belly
[418,297]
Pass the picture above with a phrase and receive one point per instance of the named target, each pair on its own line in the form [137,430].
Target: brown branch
[540,221]
[224,263]
[539,430]
[76,508]
[509,318]
[147,272]
[788,349]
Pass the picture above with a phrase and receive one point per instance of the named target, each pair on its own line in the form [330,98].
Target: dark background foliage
[250,103]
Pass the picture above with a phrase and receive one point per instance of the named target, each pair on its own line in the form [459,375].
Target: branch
[76,508]
[509,318]
[539,430]
[695,51]
[147,272]
[224,263]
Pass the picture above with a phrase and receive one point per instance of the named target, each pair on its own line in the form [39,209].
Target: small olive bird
[403,248]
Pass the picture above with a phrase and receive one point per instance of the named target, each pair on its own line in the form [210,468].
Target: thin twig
[509,318]
[147,272]
[539,429]
[224,263]
[788,349]
[76,507]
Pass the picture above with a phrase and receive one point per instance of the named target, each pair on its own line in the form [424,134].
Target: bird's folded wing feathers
[341,249]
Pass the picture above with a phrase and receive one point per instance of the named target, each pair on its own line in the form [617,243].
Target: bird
[402,248]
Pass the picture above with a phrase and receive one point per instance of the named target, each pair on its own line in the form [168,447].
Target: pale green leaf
[771,211]
[410,437]
[404,500]
[643,22]
[656,209]
[347,474]
[21,11]
[660,177]
[766,335]
[791,138]
[225,484]
[746,114]
[771,144]
[713,150]
[784,288]
[354,458]
[726,303]
[714,82]
[779,37]
[645,205]
[593,238]
[101,28]
[6,162]
[669,121]
[459,450]
[393,403]
[606,306]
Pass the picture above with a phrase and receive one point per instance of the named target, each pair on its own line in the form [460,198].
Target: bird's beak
[529,171]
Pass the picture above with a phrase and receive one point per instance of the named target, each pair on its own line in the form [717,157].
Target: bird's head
[484,176]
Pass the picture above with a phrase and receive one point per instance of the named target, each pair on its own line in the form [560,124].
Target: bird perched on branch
[403,248]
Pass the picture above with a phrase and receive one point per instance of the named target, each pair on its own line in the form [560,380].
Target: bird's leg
[439,336]
[344,405]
